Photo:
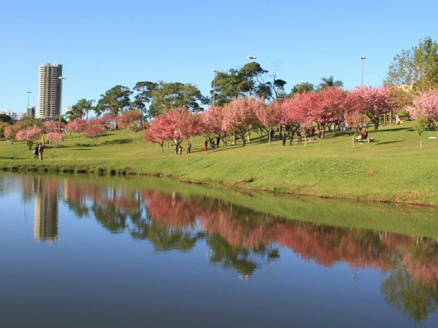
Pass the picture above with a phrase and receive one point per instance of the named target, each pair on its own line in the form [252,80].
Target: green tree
[302,87]
[417,67]
[5,118]
[330,82]
[420,126]
[115,100]
[175,95]
[143,97]
[80,109]
[250,80]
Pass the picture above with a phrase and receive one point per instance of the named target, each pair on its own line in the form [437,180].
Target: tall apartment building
[50,91]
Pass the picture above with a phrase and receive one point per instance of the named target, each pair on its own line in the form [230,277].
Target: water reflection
[242,239]
[46,208]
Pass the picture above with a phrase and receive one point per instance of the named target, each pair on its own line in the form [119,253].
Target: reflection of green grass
[403,219]
[392,168]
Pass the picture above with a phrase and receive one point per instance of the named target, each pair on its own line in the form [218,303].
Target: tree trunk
[354,138]
[269,135]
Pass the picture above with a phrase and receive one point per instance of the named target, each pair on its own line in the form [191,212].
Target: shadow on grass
[117,142]
[388,142]
[84,145]
[391,129]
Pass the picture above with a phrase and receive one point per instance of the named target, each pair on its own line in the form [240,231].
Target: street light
[215,71]
[60,100]
[363,60]
[251,57]
[28,93]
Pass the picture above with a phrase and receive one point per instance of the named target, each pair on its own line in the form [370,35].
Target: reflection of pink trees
[172,212]
[424,268]
[241,227]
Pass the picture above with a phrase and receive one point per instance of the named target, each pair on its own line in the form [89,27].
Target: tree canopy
[250,80]
[417,66]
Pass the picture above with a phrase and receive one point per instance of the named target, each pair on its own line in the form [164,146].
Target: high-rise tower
[50,90]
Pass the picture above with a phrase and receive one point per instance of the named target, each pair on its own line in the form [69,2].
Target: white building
[50,91]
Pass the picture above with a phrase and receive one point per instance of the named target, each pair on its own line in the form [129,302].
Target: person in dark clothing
[35,152]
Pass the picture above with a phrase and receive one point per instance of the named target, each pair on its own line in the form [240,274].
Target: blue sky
[104,43]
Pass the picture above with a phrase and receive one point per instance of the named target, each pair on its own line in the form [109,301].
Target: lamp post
[251,57]
[363,60]
[60,100]
[215,71]
[28,93]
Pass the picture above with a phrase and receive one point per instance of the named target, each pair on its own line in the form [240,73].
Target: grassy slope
[393,168]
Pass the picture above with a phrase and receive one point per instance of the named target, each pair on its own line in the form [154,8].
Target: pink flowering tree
[76,126]
[297,112]
[329,107]
[158,131]
[353,108]
[269,116]
[29,135]
[130,120]
[213,122]
[183,125]
[240,117]
[55,138]
[49,126]
[376,101]
[94,129]
[426,105]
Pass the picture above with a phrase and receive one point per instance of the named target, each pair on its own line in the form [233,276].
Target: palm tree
[78,110]
[329,82]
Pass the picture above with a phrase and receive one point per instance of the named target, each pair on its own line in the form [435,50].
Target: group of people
[212,144]
[38,151]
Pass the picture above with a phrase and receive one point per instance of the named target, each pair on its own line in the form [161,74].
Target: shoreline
[238,186]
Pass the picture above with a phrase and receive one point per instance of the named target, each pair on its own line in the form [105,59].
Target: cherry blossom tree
[176,124]
[129,120]
[269,116]
[353,107]
[297,112]
[54,138]
[240,117]
[94,129]
[29,135]
[76,126]
[51,126]
[329,107]
[158,131]
[426,105]
[375,101]
[213,121]
[183,125]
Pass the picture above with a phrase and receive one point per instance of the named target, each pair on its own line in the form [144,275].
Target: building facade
[50,91]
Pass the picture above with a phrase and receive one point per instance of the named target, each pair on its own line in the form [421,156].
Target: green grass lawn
[392,168]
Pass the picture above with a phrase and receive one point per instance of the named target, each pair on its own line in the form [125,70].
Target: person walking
[40,150]
[35,152]
[206,145]
[189,147]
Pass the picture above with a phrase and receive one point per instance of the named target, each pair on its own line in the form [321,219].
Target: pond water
[111,252]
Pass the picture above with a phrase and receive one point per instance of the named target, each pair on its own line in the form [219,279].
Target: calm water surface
[101,252]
